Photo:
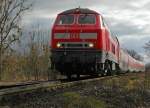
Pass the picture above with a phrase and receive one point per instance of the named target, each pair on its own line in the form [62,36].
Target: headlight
[91,45]
[58,45]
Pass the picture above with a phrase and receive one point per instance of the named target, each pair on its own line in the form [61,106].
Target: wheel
[108,72]
[68,76]
[118,71]
[107,69]
[102,74]
[78,76]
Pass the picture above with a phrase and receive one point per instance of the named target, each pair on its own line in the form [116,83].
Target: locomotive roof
[79,10]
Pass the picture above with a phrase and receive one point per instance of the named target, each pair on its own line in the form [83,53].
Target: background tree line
[135,55]
[31,60]
[147,50]
[10,16]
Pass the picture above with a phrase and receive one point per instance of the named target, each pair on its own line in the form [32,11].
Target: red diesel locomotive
[82,44]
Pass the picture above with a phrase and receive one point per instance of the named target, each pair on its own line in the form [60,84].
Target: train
[82,44]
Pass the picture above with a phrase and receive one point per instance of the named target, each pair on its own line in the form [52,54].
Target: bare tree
[10,16]
[147,48]
[34,53]
[134,54]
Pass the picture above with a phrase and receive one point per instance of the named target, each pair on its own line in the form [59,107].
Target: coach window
[87,19]
[65,19]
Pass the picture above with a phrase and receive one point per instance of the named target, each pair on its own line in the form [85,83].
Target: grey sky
[128,19]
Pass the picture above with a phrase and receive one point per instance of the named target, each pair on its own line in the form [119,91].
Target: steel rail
[51,85]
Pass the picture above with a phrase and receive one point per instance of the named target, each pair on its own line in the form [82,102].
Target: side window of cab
[106,26]
[103,23]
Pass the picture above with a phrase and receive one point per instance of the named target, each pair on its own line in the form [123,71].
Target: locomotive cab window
[87,19]
[65,19]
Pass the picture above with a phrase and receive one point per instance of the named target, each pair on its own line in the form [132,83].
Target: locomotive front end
[75,42]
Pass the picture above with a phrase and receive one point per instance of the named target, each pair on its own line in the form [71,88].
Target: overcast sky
[128,19]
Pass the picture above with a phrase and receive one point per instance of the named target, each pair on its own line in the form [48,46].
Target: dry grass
[131,91]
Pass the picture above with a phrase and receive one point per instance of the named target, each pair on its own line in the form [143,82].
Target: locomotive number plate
[74,36]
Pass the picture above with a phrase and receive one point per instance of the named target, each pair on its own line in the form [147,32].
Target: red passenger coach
[129,64]
[82,44]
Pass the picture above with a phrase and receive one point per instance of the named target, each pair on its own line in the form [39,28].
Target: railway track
[24,87]
[23,84]
[50,85]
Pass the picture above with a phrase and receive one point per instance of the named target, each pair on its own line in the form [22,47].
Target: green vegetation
[75,100]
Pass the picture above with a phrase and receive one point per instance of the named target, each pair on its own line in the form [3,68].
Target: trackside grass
[131,91]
